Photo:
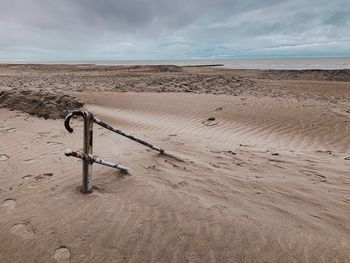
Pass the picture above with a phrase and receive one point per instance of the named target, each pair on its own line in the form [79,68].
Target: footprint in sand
[28,161]
[172,163]
[7,130]
[9,205]
[229,153]
[38,177]
[62,255]
[43,176]
[210,122]
[22,230]
[28,176]
[315,176]
[4,157]
[54,143]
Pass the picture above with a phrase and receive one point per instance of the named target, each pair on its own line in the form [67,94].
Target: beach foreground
[257,171]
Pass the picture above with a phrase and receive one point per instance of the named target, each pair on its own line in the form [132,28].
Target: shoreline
[215,65]
[295,63]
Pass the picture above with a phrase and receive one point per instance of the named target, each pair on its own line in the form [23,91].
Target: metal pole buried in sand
[86,185]
[86,155]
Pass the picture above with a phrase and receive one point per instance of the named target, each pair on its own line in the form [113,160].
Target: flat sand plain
[258,167]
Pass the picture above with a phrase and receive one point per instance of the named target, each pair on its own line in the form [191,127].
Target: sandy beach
[258,167]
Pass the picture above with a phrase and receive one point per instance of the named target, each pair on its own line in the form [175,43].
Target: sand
[258,167]
[39,103]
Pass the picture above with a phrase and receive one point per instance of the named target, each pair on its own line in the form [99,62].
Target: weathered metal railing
[86,155]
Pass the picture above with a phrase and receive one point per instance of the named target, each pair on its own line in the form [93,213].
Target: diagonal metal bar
[86,155]
[131,137]
[94,159]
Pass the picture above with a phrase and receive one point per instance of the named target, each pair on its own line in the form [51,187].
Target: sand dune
[283,124]
[247,180]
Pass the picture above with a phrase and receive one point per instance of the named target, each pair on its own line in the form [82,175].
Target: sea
[234,63]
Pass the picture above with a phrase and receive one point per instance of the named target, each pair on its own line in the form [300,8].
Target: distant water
[271,63]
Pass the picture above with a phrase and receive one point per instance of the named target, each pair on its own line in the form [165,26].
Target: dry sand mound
[39,103]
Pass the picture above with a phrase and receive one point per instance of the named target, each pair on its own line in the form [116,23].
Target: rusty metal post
[86,185]
[86,155]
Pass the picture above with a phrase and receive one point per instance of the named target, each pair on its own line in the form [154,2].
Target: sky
[77,30]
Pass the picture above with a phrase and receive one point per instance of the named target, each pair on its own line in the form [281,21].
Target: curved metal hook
[84,114]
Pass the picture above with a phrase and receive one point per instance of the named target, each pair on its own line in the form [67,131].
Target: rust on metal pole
[86,155]
[95,159]
[131,137]
[86,185]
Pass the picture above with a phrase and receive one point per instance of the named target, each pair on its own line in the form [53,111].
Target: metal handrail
[86,155]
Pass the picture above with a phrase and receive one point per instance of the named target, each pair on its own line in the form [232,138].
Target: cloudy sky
[172,29]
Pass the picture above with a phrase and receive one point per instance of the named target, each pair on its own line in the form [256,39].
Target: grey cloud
[137,29]
[338,18]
